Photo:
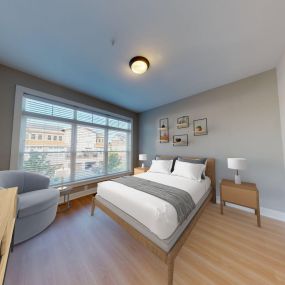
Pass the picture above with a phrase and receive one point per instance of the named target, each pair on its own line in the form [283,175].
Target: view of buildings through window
[73,148]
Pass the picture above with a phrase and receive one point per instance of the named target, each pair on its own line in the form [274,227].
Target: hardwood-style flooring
[78,249]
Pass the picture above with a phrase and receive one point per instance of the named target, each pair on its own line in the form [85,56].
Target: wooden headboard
[210,170]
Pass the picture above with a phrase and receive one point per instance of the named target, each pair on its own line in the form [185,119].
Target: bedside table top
[243,185]
[142,168]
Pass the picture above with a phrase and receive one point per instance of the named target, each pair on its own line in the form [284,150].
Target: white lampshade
[237,163]
[142,157]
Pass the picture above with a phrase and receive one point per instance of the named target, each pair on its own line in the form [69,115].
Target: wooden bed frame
[167,257]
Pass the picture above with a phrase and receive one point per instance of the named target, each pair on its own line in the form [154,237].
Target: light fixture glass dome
[139,64]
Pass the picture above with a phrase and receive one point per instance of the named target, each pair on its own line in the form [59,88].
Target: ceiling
[192,45]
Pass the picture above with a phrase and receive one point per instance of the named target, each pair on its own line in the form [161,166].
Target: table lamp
[142,157]
[237,164]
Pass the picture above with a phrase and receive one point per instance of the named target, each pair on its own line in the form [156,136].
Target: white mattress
[157,215]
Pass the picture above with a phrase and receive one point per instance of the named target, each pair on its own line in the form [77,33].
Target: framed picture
[200,127]
[180,140]
[183,122]
[163,130]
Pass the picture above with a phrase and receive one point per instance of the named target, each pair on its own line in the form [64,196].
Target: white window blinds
[71,144]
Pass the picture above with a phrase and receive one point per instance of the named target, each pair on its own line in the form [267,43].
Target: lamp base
[237,179]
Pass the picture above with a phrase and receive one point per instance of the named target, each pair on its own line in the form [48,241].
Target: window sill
[93,180]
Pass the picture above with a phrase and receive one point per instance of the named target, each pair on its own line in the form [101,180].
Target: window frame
[21,92]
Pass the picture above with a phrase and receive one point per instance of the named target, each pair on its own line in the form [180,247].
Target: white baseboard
[273,214]
[79,194]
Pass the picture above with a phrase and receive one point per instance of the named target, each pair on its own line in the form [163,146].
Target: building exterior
[49,149]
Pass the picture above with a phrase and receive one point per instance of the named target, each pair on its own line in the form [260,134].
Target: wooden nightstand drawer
[138,170]
[243,197]
[244,194]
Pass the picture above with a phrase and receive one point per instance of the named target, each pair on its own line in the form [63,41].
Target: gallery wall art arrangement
[200,128]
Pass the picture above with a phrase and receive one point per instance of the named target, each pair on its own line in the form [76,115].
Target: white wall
[281,95]
[243,121]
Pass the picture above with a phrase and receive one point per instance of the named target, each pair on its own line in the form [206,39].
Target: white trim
[90,190]
[18,112]
[18,105]
[269,213]
[24,90]
[266,212]
[95,180]
[273,214]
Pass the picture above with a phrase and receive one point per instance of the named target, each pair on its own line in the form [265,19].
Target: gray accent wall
[243,121]
[9,78]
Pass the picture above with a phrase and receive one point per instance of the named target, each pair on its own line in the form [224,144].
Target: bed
[154,222]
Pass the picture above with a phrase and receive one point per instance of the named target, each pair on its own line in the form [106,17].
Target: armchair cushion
[37,201]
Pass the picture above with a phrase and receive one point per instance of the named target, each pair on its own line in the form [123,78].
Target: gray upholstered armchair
[37,203]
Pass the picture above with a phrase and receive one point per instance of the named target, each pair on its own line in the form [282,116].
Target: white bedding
[157,215]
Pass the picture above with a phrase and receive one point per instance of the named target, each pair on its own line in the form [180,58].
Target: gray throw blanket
[179,199]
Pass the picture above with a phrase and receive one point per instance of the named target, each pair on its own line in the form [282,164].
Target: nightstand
[245,194]
[138,170]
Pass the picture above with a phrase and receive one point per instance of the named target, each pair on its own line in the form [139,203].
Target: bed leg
[214,198]
[170,271]
[93,205]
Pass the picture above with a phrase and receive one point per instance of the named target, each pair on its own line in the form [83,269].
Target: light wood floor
[82,250]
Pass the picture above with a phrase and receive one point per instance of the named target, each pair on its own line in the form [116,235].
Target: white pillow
[161,166]
[188,170]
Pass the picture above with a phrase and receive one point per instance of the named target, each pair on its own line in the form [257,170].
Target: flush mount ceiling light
[139,64]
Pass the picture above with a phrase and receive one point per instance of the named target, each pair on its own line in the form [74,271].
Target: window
[73,144]
[48,157]
[117,151]
[90,155]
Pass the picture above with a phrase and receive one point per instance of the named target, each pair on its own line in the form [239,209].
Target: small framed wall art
[183,122]
[200,127]
[163,130]
[180,140]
